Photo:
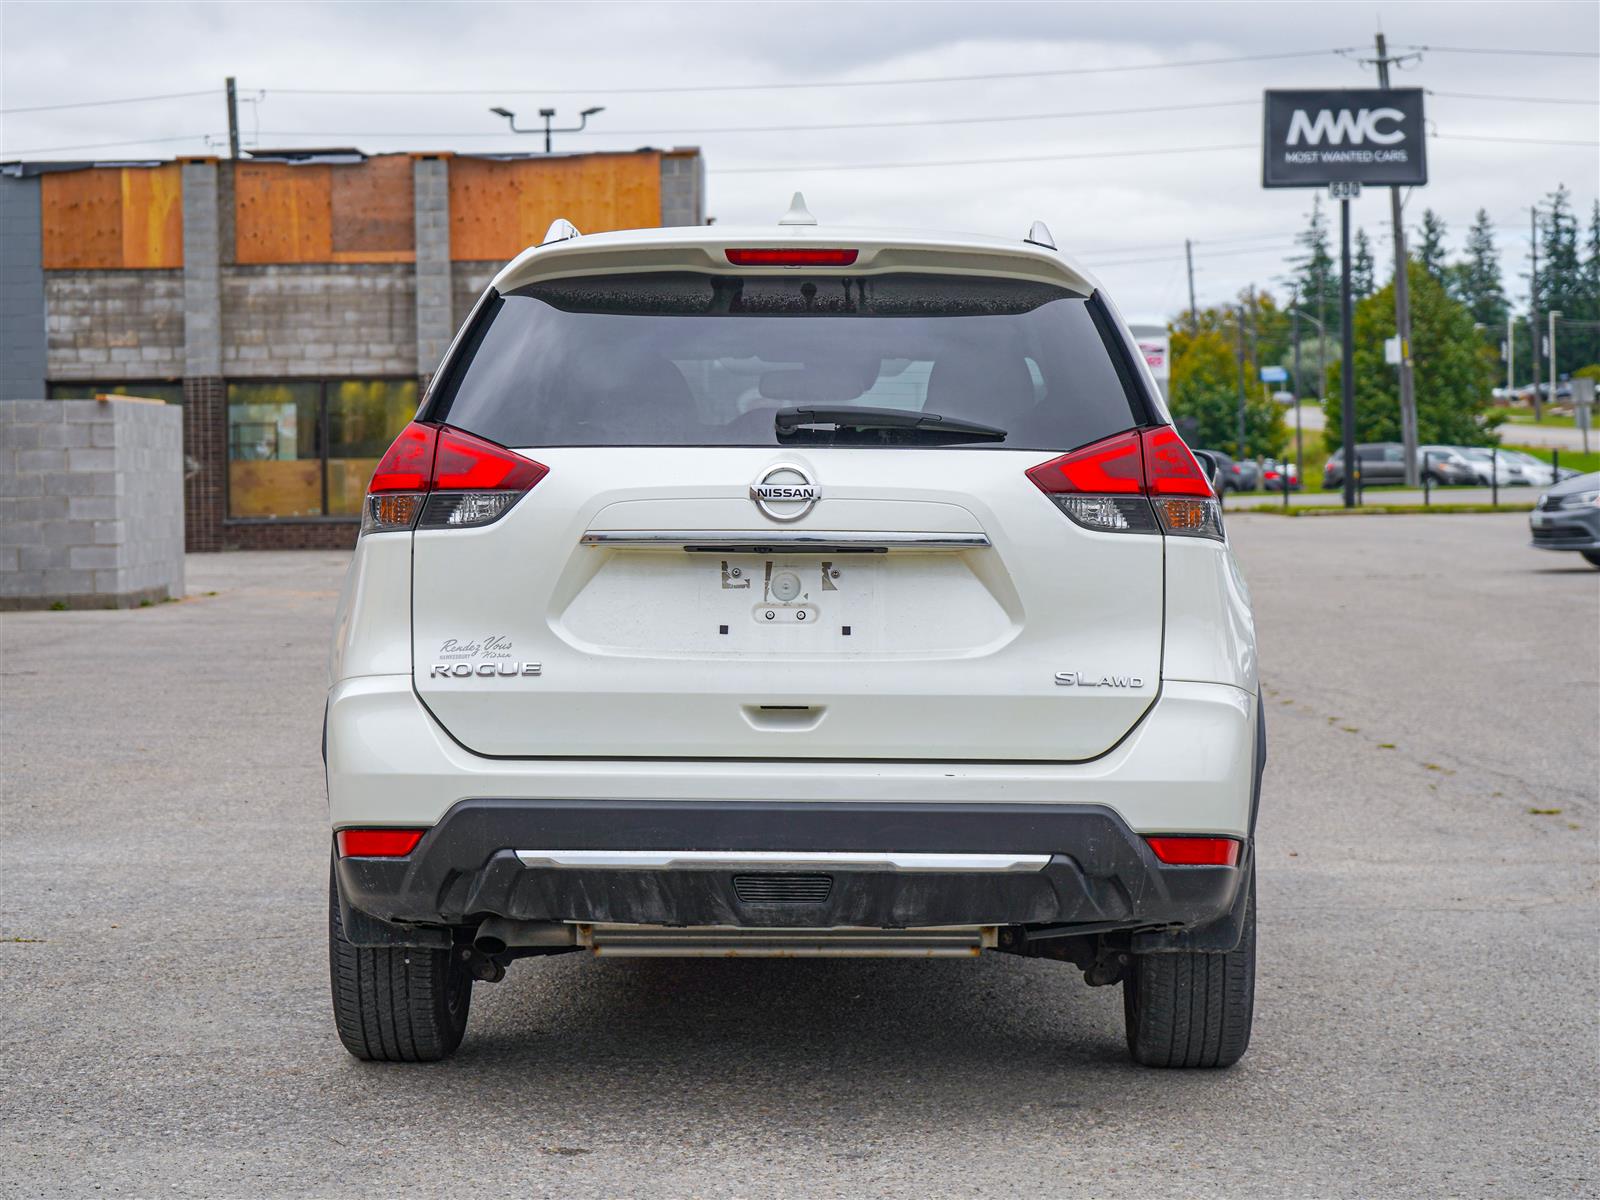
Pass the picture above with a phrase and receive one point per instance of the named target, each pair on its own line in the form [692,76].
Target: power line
[1506,50]
[979,162]
[681,132]
[769,87]
[103,103]
[186,137]
[1510,99]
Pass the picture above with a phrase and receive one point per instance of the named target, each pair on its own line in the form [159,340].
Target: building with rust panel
[295,304]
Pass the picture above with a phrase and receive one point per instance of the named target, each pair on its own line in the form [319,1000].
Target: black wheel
[1193,1010]
[395,1004]
[1592,556]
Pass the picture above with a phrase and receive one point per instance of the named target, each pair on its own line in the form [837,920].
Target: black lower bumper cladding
[1100,876]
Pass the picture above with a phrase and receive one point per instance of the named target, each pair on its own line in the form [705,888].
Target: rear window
[683,359]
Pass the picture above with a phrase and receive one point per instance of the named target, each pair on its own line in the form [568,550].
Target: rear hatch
[790,516]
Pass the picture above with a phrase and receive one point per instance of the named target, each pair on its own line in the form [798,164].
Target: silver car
[1567,517]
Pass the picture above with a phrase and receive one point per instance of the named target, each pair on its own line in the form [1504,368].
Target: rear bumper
[1078,865]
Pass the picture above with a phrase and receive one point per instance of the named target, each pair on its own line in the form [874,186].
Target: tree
[1455,369]
[1474,281]
[1561,277]
[1363,271]
[1586,338]
[1430,244]
[1316,274]
[1205,390]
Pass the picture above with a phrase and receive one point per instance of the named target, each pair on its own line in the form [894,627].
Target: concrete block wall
[319,320]
[431,197]
[91,503]
[114,325]
[683,189]
[466,285]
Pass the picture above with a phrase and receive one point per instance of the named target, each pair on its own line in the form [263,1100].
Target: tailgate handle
[723,541]
[784,718]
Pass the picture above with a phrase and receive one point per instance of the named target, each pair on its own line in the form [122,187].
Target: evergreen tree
[1561,277]
[1475,280]
[1588,336]
[1316,271]
[1455,369]
[1363,271]
[1430,244]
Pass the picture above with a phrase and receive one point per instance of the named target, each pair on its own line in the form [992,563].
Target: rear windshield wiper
[846,420]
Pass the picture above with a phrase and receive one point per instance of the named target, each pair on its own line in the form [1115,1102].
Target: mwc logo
[1345,126]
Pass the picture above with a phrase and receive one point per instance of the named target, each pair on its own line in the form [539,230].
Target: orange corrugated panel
[374,218]
[282,213]
[152,216]
[81,219]
[499,209]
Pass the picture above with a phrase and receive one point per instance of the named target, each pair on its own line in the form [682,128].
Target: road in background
[1426,1024]
[1509,497]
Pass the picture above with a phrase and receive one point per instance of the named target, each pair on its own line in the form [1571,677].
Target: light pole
[549,115]
[1554,313]
[1322,365]
[1511,356]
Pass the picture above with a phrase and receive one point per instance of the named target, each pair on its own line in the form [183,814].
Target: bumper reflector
[377,843]
[1196,851]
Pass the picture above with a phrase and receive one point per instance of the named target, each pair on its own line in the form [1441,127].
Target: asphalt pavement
[1427,1020]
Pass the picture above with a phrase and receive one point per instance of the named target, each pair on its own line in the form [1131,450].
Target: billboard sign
[1344,135]
[1156,350]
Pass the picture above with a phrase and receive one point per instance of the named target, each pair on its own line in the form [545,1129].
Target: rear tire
[1193,1010]
[395,1003]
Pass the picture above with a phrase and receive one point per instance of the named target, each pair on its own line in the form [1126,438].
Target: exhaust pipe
[497,935]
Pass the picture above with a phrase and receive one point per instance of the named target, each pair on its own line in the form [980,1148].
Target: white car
[793,591]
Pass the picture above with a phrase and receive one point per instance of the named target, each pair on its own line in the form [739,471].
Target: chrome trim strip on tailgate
[777,860]
[725,541]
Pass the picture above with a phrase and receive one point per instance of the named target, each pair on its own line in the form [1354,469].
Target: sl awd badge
[1079,679]
[785,492]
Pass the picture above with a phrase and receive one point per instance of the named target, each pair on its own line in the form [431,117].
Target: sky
[1120,190]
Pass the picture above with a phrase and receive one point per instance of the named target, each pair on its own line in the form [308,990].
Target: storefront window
[274,450]
[308,448]
[168,391]
[364,417]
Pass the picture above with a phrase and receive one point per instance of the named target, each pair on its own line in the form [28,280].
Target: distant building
[293,302]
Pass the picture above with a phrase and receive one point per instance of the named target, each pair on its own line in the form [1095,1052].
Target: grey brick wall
[91,503]
[431,189]
[202,311]
[683,190]
[318,320]
[22,302]
[114,325]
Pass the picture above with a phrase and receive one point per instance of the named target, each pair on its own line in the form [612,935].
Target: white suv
[793,591]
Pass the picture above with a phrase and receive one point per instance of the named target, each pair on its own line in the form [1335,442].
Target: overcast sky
[1109,210]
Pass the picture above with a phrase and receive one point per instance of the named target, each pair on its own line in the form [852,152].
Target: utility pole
[1239,337]
[233,119]
[1402,301]
[1553,314]
[1511,355]
[1347,372]
[1299,458]
[1194,315]
[1533,308]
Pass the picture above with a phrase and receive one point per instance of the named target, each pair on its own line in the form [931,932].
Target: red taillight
[1196,851]
[377,843]
[1141,481]
[407,465]
[792,256]
[466,463]
[1108,468]
[434,477]
[1169,468]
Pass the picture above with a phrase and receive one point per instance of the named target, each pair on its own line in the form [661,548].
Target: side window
[1391,454]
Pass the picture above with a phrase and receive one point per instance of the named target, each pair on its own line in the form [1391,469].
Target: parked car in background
[1449,466]
[1567,517]
[1276,476]
[1535,471]
[1380,462]
[1490,465]
[1238,475]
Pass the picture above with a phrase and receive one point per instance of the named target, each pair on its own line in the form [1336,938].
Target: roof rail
[561,230]
[1039,235]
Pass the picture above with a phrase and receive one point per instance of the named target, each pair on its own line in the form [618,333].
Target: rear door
[700,575]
